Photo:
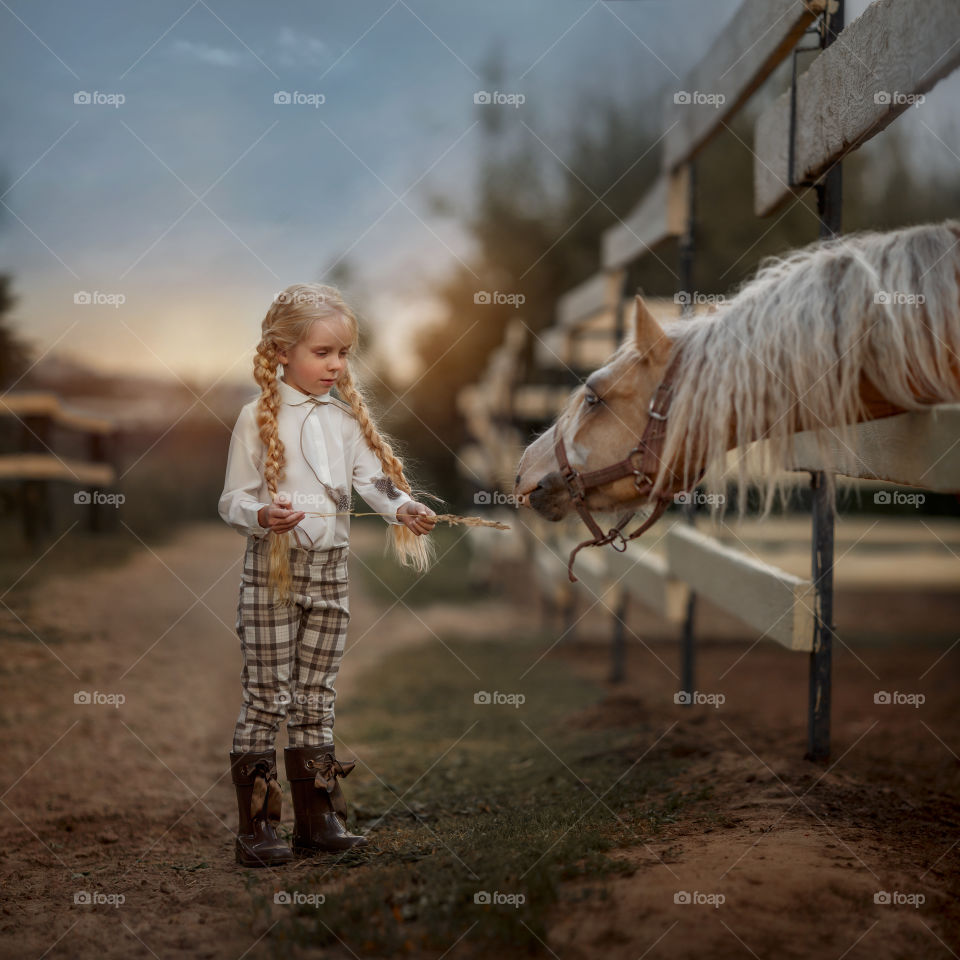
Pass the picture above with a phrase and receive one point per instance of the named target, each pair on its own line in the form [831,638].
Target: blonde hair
[788,352]
[286,323]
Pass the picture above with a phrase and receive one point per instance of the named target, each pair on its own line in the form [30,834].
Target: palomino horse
[850,329]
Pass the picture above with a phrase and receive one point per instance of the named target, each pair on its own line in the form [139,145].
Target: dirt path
[135,800]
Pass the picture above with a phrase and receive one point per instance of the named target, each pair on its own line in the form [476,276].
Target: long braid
[409,549]
[265,373]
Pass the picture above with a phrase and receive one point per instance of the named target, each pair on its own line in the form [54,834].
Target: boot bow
[267,797]
[328,769]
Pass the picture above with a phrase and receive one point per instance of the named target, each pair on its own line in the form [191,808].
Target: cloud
[299,47]
[204,53]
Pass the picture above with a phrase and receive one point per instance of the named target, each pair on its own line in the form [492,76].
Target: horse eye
[590,397]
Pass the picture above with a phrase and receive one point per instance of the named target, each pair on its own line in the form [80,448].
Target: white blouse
[325,453]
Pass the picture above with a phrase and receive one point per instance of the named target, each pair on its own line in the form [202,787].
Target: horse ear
[648,335]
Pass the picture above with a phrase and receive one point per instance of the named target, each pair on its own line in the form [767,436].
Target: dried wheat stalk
[450,518]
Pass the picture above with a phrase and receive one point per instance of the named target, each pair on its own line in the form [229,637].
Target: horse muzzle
[550,498]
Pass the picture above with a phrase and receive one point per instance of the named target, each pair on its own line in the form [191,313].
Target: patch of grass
[446,580]
[466,802]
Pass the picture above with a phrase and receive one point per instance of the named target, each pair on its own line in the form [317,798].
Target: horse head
[602,422]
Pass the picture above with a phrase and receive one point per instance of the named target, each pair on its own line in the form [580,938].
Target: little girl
[298,450]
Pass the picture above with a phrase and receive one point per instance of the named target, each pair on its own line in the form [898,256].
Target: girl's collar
[293,396]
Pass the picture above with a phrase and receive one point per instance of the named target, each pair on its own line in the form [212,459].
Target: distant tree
[15,355]
[536,222]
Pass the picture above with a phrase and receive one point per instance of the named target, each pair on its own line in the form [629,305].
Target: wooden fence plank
[598,294]
[29,404]
[915,449]
[760,34]
[894,52]
[772,601]
[647,579]
[45,466]
[538,401]
[551,349]
[661,214]
[643,574]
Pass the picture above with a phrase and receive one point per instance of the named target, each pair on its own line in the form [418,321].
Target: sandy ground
[130,801]
[797,850]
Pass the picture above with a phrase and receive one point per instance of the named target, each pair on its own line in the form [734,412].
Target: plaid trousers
[291,655]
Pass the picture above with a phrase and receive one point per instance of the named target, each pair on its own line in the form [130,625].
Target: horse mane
[788,351]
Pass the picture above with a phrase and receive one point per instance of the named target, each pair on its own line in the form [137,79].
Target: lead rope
[615,532]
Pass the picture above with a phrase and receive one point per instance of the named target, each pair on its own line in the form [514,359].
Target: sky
[182,196]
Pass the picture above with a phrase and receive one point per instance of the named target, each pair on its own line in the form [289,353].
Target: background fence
[862,78]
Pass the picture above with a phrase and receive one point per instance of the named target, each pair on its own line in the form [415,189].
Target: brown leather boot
[258,800]
[319,807]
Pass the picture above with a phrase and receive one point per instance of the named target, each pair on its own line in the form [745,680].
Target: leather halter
[649,448]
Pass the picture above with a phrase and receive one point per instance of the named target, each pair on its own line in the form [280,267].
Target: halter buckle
[574,483]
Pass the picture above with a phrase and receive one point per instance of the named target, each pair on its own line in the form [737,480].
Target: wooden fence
[46,447]
[851,90]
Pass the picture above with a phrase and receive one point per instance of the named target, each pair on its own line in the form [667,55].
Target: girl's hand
[417,516]
[279,517]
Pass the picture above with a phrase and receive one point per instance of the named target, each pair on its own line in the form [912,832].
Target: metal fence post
[687,242]
[830,209]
